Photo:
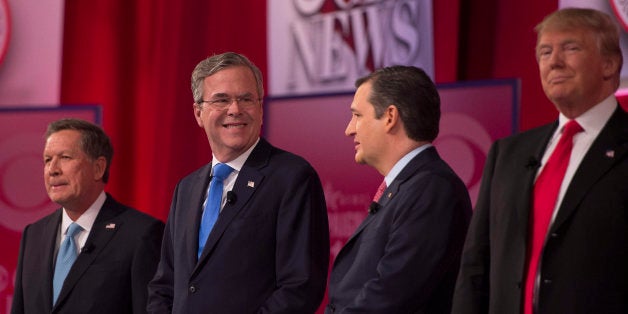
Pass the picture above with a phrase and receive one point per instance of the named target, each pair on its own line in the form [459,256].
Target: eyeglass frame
[223,102]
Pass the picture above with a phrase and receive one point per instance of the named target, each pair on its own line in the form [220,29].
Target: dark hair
[414,94]
[215,63]
[94,141]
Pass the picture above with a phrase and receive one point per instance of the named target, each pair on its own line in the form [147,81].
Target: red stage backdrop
[135,58]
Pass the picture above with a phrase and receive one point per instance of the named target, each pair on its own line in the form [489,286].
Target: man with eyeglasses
[264,246]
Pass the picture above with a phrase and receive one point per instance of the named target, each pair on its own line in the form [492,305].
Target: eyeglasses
[222,103]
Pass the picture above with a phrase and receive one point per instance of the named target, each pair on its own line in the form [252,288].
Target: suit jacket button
[192,289]
[547,281]
[554,235]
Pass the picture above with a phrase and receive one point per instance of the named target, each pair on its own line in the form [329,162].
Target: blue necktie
[65,258]
[212,204]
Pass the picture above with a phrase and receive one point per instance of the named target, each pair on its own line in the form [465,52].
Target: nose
[234,107]
[52,168]
[350,130]
[556,58]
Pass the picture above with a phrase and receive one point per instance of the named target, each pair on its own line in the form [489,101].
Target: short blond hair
[599,23]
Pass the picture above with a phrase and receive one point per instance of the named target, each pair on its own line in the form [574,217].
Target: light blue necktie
[65,258]
[212,204]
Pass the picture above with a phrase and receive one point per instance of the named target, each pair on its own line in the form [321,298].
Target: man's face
[574,74]
[71,177]
[367,131]
[235,128]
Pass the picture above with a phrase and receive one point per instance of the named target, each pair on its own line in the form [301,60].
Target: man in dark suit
[572,258]
[117,246]
[268,250]
[404,256]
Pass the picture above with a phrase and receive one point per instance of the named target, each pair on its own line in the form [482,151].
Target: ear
[100,164]
[391,117]
[198,109]
[261,112]
[611,66]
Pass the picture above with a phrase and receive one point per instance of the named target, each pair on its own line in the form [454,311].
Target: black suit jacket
[404,257]
[584,262]
[267,253]
[110,275]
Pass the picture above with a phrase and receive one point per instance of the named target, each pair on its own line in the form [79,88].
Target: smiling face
[72,179]
[367,131]
[234,129]
[574,73]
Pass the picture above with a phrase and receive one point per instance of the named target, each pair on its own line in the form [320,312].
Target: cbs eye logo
[621,12]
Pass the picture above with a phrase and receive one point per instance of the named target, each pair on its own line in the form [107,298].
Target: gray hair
[216,63]
[94,141]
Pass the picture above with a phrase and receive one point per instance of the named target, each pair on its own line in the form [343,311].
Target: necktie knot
[571,128]
[380,191]
[222,171]
[73,229]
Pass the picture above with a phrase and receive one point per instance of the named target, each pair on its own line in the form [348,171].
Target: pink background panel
[23,198]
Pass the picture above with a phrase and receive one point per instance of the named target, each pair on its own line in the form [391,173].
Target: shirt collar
[238,162]
[396,169]
[594,119]
[86,220]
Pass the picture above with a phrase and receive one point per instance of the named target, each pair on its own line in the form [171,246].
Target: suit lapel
[249,179]
[355,235]
[413,166]
[523,203]
[50,242]
[103,230]
[198,193]
[608,149]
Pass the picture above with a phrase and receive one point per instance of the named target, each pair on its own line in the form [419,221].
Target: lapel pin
[610,153]
[251,184]
[110,226]
[389,194]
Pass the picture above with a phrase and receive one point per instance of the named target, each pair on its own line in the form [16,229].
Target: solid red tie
[545,195]
[380,191]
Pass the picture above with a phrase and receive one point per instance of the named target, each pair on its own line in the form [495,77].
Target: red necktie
[545,195]
[380,191]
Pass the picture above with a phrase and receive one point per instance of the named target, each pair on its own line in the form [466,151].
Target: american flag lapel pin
[610,153]
[110,226]
[251,184]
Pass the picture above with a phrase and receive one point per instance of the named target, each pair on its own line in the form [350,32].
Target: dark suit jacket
[267,253]
[584,263]
[404,258]
[110,275]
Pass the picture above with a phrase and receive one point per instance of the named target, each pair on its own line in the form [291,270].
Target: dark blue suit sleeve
[17,306]
[302,248]
[472,287]
[144,264]
[420,249]
[161,287]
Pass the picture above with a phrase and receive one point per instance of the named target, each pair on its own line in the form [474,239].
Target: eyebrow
[225,95]
[220,95]
[561,43]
